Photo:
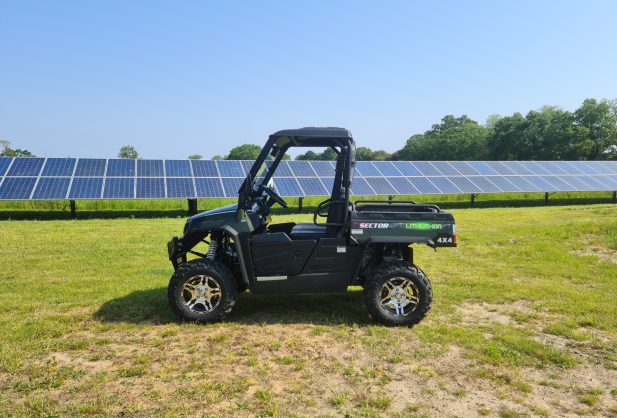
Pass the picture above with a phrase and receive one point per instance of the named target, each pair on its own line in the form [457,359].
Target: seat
[308,231]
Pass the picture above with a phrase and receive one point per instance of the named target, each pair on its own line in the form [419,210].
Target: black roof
[311,136]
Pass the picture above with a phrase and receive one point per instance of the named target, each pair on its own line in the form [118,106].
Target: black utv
[366,243]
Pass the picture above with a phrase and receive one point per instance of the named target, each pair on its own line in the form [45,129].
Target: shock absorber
[212,249]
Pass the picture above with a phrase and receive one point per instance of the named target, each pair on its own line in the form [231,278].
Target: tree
[308,155]
[128,151]
[244,152]
[217,157]
[453,139]
[381,155]
[195,157]
[492,120]
[364,154]
[7,151]
[599,120]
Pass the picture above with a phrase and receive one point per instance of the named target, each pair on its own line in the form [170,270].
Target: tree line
[550,133]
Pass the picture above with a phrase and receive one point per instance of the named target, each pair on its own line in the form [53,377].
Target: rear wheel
[202,291]
[398,294]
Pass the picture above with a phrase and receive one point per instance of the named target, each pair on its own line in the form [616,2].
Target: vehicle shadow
[151,307]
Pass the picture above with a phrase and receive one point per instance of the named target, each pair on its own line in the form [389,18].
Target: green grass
[85,328]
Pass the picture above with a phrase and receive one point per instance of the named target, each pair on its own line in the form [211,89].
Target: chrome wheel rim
[399,296]
[201,294]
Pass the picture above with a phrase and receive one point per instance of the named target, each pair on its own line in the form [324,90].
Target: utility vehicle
[366,243]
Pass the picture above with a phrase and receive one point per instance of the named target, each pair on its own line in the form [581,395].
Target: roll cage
[338,139]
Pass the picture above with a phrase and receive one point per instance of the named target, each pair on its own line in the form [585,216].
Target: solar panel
[17,188]
[465,185]
[180,187]
[535,167]
[328,182]
[423,185]
[426,168]
[26,166]
[228,168]
[59,167]
[484,184]
[86,188]
[504,184]
[555,167]
[611,166]
[464,168]
[386,168]
[402,185]
[367,169]
[323,168]
[247,165]
[4,165]
[381,186]
[178,168]
[150,168]
[288,186]
[446,169]
[541,184]
[608,184]
[499,167]
[119,188]
[150,187]
[518,168]
[581,167]
[312,186]
[406,168]
[209,187]
[523,184]
[360,187]
[282,170]
[90,167]
[51,188]
[88,178]
[579,184]
[231,185]
[204,168]
[482,168]
[444,185]
[302,169]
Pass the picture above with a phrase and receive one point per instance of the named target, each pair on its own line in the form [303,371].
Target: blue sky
[174,78]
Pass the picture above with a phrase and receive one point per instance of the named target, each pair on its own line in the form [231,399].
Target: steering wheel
[278,199]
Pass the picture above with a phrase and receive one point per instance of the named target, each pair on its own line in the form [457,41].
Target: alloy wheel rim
[399,296]
[201,294]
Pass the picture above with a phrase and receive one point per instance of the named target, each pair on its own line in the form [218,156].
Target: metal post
[473,199]
[390,198]
[614,197]
[546,195]
[192,206]
[73,208]
[300,200]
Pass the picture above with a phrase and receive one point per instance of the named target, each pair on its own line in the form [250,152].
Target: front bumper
[175,252]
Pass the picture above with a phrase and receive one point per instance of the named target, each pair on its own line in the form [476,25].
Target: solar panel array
[86,178]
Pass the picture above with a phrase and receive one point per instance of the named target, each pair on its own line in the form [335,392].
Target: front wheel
[202,291]
[398,294]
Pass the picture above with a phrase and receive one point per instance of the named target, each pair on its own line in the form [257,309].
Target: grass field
[524,322]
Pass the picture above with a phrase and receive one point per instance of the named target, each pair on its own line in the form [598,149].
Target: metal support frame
[390,198]
[614,197]
[73,208]
[546,195]
[300,200]
[192,206]
[473,198]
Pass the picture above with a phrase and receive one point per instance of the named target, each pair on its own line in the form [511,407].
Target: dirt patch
[602,253]
[487,313]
